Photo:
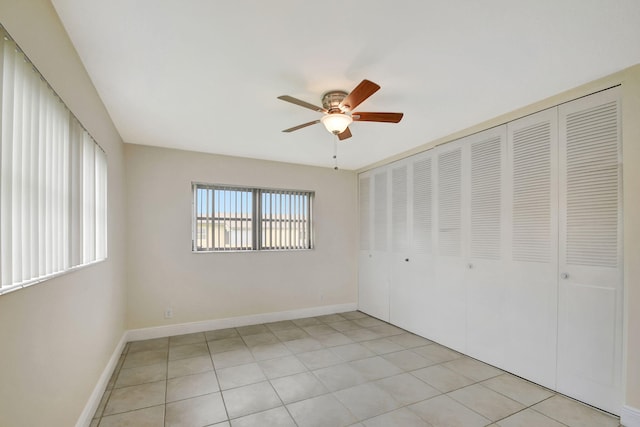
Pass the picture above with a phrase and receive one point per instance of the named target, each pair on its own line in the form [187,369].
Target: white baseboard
[234,322]
[187,328]
[94,400]
[630,417]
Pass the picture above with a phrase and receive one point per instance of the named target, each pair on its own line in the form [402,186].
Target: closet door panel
[422,259]
[486,273]
[401,290]
[532,238]
[590,306]
[411,301]
[373,297]
[365,259]
[449,315]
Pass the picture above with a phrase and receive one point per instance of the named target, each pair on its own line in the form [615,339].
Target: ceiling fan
[338,105]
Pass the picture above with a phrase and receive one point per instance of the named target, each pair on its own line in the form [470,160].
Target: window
[228,218]
[53,187]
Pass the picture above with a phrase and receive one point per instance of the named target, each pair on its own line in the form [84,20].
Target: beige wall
[631,182]
[163,272]
[57,337]
[629,79]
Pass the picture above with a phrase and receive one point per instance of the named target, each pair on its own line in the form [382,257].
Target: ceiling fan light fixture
[336,123]
[338,106]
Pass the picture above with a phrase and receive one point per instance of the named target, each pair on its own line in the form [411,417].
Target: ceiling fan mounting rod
[331,101]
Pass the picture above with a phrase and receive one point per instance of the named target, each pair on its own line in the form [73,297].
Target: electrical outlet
[168,313]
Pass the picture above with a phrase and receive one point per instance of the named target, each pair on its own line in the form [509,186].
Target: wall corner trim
[96,395]
[630,417]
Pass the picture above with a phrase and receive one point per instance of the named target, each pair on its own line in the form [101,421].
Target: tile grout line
[114,376]
[215,372]
[270,379]
[382,335]
[281,401]
[548,416]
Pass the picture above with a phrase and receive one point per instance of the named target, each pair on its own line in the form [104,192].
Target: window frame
[59,223]
[257,219]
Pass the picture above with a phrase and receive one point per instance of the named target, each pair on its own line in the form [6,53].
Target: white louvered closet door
[451,242]
[590,299]
[421,255]
[412,257]
[373,295]
[486,273]
[399,294]
[365,266]
[532,247]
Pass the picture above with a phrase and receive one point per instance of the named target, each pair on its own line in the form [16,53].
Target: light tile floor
[345,369]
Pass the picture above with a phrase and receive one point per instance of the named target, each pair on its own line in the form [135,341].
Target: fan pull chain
[335,153]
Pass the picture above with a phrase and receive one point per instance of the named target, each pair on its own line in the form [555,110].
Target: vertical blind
[285,219]
[224,218]
[53,189]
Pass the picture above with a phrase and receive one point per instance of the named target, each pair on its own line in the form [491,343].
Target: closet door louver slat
[531,153]
[422,206]
[365,217]
[399,208]
[380,211]
[449,206]
[486,189]
[592,187]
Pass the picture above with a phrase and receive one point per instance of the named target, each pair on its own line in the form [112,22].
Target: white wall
[57,337]
[163,272]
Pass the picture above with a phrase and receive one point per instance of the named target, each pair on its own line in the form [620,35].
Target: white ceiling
[204,75]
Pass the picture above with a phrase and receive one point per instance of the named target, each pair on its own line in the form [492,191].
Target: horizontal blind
[53,193]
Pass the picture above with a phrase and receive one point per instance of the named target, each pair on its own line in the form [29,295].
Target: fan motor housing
[331,100]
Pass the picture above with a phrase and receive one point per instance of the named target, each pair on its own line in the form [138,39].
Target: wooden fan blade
[377,117]
[361,92]
[302,103]
[344,135]
[304,125]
